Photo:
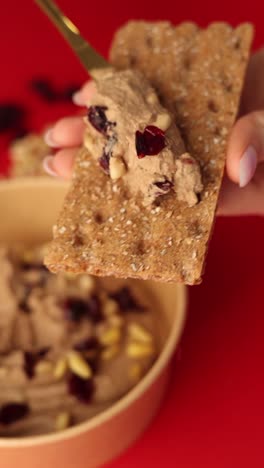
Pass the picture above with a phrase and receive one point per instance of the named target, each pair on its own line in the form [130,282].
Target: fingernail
[247,166]
[48,166]
[48,138]
[77,99]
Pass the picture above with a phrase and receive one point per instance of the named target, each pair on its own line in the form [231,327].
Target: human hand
[243,186]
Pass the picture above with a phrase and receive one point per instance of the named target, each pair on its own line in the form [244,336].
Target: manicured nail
[48,138]
[48,166]
[77,99]
[247,166]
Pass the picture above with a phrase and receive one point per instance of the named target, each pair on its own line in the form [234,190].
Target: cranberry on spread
[150,142]
[134,137]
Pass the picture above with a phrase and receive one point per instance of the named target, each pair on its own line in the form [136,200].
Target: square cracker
[198,74]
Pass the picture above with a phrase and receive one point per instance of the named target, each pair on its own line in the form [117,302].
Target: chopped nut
[110,336]
[152,98]
[110,307]
[60,368]
[133,266]
[110,352]
[78,365]
[84,164]
[62,421]
[43,367]
[117,168]
[139,350]
[86,283]
[116,320]
[163,121]
[88,142]
[135,372]
[139,333]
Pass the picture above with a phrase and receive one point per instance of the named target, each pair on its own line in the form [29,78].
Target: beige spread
[130,105]
[27,154]
[33,319]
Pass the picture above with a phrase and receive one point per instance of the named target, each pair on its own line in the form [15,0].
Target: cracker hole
[212,106]
[187,63]
[98,218]
[78,241]
[237,44]
[140,247]
[195,229]
[217,131]
[149,42]
[229,87]
[132,60]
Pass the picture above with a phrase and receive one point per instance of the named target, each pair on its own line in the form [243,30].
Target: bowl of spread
[84,361]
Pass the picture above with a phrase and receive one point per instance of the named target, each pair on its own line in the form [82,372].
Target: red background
[214,411]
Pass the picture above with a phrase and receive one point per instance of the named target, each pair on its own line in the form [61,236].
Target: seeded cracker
[198,74]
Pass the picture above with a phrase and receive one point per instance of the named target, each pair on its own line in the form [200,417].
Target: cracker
[198,74]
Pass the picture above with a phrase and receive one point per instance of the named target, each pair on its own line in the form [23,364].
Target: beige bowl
[28,209]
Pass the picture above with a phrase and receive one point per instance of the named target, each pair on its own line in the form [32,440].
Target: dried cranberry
[68,92]
[82,389]
[77,309]
[125,299]
[41,353]
[31,359]
[90,349]
[44,88]
[93,362]
[29,364]
[23,304]
[47,91]
[187,161]
[94,309]
[12,412]
[74,309]
[104,162]
[87,345]
[26,266]
[11,116]
[97,118]
[150,142]
[24,307]
[165,185]
[20,132]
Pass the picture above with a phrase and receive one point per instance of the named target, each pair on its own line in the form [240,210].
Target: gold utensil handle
[86,54]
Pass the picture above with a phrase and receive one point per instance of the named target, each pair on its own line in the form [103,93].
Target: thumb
[245,148]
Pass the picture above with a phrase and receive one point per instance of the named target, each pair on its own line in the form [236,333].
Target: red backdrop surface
[214,410]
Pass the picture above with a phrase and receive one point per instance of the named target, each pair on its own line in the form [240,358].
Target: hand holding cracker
[106,229]
[247,135]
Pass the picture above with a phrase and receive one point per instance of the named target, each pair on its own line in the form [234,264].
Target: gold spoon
[88,56]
